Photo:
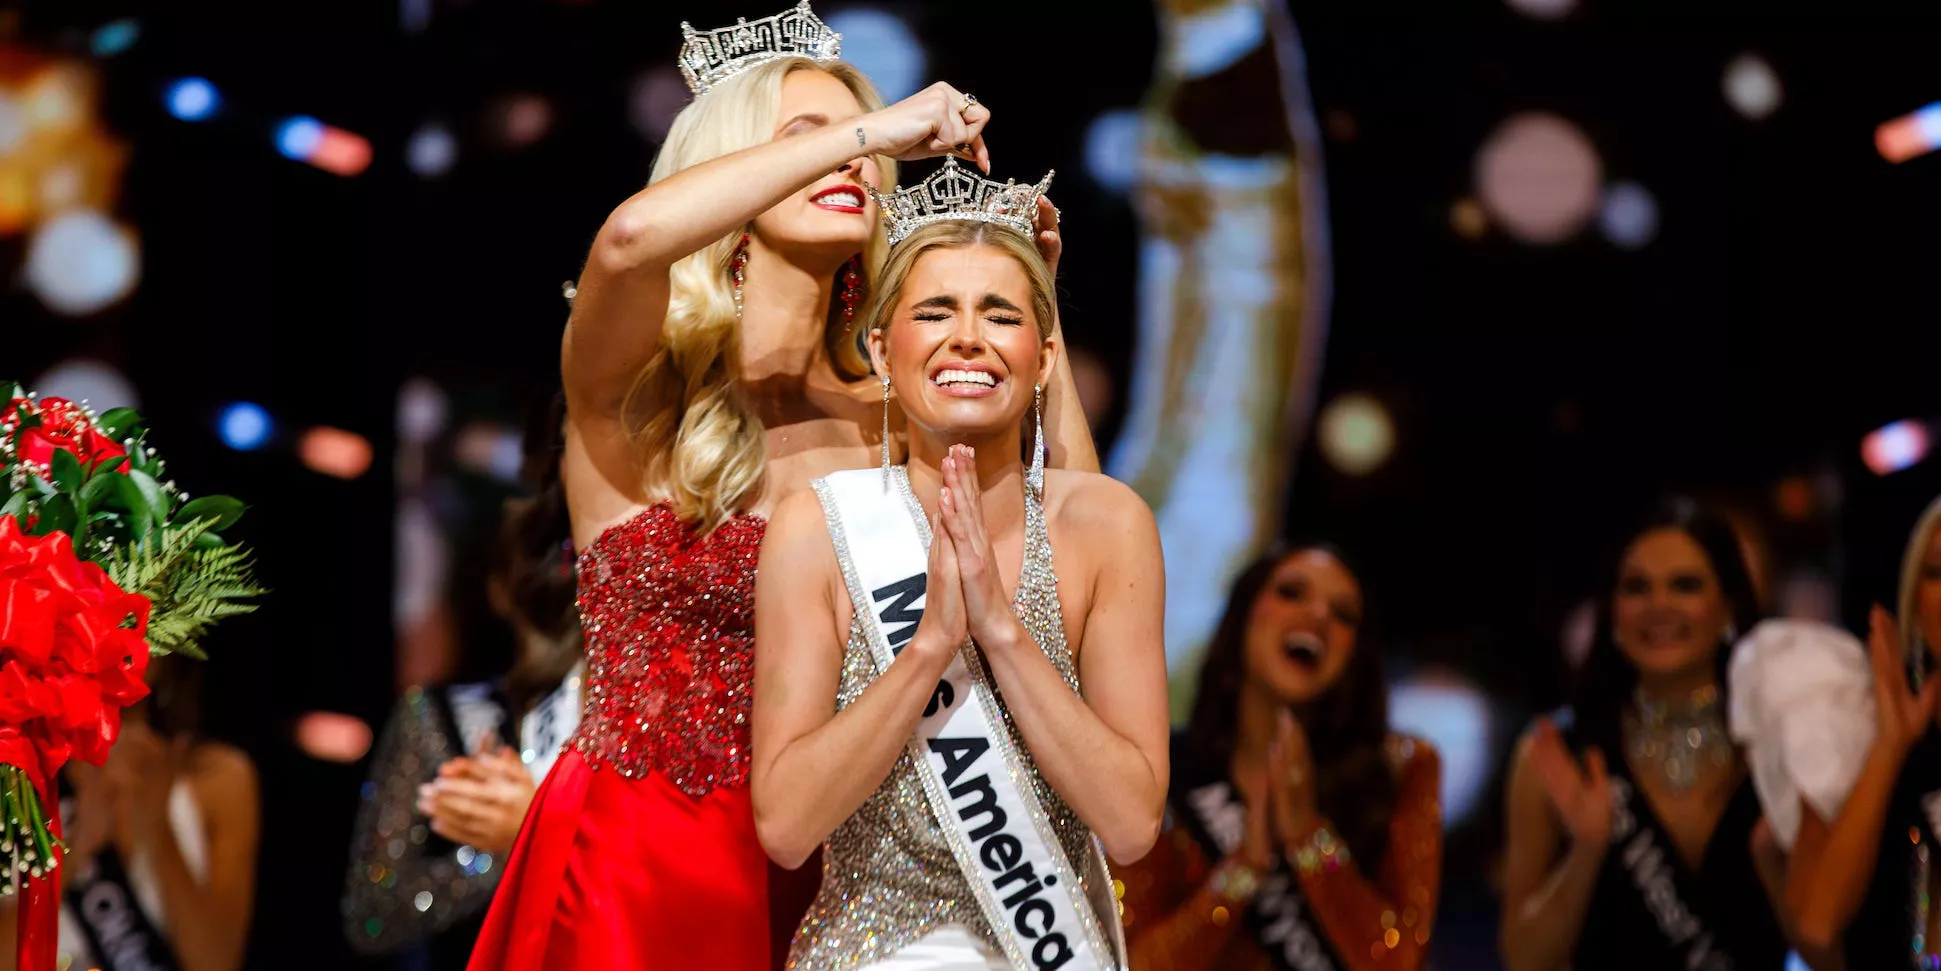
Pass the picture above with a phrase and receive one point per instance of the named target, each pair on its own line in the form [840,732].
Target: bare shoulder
[798,529]
[224,779]
[1091,501]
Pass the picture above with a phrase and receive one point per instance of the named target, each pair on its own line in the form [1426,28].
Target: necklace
[1679,739]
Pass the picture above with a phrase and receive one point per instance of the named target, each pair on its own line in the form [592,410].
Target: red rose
[63,425]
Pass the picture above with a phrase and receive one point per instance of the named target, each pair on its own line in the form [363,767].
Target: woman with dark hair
[1305,835]
[447,796]
[1632,818]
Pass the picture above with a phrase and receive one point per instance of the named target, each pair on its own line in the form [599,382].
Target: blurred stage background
[1461,286]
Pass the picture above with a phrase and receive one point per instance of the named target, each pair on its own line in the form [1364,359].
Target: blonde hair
[959,234]
[1911,563]
[700,440]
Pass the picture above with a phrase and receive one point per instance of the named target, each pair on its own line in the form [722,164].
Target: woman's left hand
[988,614]
[142,768]
[479,801]
[1290,780]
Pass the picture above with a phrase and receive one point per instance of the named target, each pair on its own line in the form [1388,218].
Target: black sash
[104,904]
[1660,883]
[1277,918]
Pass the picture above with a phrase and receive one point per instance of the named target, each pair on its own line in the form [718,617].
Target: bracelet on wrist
[1235,882]
[1321,852]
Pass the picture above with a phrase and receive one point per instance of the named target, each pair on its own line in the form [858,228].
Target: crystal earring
[886,432]
[1035,478]
[738,266]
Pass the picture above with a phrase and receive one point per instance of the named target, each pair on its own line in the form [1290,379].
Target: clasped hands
[964,596]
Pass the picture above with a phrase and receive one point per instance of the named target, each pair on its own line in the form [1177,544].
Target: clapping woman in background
[1305,834]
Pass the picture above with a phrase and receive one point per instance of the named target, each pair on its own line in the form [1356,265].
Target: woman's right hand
[1580,793]
[1257,844]
[945,624]
[934,121]
[1901,715]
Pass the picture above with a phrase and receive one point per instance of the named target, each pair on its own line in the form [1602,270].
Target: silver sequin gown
[888,876]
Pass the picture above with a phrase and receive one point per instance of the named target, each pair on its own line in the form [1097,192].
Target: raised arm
[1105,751]
[622,293]
[1382,919]
[1546,895]
[1833,864]
[814,766]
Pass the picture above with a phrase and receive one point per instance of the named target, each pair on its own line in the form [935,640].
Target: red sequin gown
[639,850]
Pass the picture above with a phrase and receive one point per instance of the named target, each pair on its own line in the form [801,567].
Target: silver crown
[709,57]
[953,193]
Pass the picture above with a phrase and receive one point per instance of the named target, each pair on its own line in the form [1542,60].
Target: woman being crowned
[967,727]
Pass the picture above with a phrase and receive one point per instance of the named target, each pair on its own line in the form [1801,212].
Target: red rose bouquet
[103,562]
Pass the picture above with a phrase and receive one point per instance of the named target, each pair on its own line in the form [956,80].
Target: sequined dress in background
[640,848]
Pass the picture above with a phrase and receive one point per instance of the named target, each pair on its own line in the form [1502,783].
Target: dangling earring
[852,292]
[886,433]
[738,265]
[1035,478]
[1731,634]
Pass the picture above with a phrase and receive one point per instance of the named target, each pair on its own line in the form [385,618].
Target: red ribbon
[37,934]
[67,668]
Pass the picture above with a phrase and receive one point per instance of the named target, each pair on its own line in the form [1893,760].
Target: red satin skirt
[612,872]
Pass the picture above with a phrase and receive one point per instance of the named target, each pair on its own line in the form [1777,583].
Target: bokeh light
[1544,9]
[432,151]
[1539,176]
[1629,215]
[60,97]
[335,452]
[1467,218]
[490,448]
[80,262]
[1357,435]
[86,379]
[1454,715]
[884,47]
[245,426]
[1893,447]
[115,37]
[1112,148]
[658,95]
[522,119]
[1911,135]
[332,736]
[1752,87]
[193,99]
[423,409]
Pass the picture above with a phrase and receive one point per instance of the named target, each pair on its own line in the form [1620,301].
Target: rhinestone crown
[709,57]
[952,192]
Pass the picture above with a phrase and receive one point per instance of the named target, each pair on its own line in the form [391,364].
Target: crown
[709,57]
[953,193]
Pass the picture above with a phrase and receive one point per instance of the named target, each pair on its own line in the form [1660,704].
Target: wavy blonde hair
[1912,563]
[959,234]
[699,439]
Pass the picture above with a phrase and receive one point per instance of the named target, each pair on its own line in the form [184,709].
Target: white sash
[978,785]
